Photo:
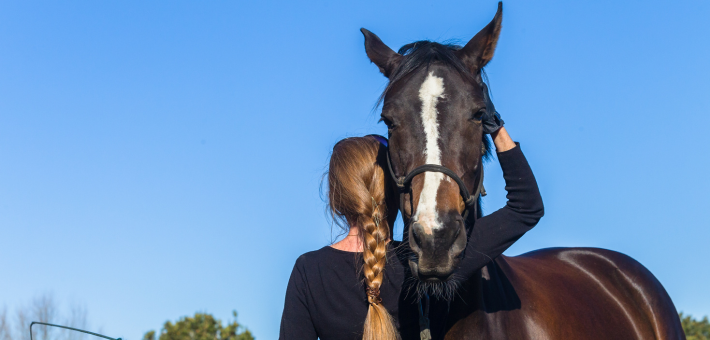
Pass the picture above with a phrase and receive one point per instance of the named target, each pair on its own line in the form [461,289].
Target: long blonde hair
[359,193]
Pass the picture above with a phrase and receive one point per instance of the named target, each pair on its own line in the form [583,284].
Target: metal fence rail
[71,328]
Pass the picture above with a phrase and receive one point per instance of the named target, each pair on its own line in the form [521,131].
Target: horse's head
[432,107]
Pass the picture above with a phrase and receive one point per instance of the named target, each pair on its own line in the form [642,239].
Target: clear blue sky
[159,158]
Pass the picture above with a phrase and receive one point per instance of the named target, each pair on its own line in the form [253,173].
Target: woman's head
[357,176]
[361,195]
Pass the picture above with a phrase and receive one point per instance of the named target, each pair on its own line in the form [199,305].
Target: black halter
[404,183]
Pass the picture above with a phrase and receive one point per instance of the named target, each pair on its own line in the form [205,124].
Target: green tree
[202,326]
[694,329]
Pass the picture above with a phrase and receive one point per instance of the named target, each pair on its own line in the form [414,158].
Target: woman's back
[327,291]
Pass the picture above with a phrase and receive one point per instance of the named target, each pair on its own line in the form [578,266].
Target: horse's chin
[440,287]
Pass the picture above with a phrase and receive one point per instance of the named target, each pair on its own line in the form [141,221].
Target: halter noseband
[404,184]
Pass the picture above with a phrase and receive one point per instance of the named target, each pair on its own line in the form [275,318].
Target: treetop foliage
[202,326]
[694,329]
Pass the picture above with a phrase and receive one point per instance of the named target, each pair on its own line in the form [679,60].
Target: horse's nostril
[417,229]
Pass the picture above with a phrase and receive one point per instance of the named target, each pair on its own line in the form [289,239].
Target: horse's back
[605,293]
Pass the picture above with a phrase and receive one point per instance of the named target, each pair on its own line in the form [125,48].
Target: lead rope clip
[424,329]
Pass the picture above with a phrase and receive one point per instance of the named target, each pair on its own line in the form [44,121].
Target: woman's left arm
[494,233]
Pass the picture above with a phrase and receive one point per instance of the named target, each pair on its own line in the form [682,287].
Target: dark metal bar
[71,328]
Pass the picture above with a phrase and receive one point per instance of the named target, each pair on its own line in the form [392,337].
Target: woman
[326,297]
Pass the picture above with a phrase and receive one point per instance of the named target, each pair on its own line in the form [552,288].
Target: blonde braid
[374,255]
[379,323]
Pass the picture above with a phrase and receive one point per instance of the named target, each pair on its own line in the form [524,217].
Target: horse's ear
[381,55]
[479,51]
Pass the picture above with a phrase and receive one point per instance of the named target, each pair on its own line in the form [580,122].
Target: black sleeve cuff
[513,150]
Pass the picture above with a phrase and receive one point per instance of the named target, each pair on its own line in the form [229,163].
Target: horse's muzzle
[437,252]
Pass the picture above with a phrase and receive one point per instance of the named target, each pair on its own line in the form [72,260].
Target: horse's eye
[387,122]
[478,115]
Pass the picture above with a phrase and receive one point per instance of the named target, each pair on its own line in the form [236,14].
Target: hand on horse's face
[490,118]
[492,124]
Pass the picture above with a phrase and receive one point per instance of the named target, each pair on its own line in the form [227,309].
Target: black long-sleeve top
[326,299]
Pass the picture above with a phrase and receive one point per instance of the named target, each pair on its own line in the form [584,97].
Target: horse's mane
[422,54]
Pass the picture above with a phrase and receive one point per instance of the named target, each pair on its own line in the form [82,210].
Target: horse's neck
[487,292]
[496,292]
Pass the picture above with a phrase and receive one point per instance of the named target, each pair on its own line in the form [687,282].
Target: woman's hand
[490,120]
[493,125]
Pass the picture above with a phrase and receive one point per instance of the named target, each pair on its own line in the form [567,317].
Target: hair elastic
[373,296]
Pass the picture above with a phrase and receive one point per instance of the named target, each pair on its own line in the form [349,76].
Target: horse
[554,293]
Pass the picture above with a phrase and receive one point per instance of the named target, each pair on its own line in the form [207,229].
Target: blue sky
[161,158]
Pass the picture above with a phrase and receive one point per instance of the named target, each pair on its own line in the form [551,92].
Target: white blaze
[429,93]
